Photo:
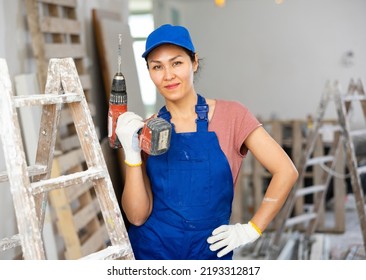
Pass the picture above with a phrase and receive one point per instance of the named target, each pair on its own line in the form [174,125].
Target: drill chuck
[118,90]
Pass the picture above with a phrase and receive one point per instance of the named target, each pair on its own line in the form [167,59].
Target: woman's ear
[195,64]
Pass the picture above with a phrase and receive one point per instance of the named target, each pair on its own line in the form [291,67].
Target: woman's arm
[284,175]
[137,199]
[137,195]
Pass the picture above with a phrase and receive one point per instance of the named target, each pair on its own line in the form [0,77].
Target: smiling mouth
[172,86]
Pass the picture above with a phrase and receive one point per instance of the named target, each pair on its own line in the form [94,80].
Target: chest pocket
[188,178]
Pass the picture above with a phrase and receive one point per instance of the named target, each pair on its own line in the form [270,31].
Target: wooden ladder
[289,217]
[29,185]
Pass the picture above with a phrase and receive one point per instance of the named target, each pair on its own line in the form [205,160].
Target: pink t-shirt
[232,122]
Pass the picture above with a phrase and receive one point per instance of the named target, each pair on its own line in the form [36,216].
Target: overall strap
[201,110]
[202,114]
[164,113]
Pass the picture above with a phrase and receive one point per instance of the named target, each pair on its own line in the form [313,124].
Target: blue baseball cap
[168,34]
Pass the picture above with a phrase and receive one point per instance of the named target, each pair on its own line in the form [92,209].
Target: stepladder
[336,155]
[30,183]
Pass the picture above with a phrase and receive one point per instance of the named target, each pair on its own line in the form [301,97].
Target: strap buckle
[202,112]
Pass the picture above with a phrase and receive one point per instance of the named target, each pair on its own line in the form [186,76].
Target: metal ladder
[288,218]
[29,185]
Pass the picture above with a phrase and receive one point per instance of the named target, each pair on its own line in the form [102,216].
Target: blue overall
[192,188]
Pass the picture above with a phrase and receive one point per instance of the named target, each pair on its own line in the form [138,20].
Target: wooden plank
[319,160]
[8,243]
[65,181]
[32,171]
[60,25]
[107,73]
[37,41]
[74,193]
[69,143]
[45,99]
[66,117]
[83,216]
[354,98]
[70,159]
[110,253]
[63,50]
[300,219]
[93,243]
[310,190]
[66,3]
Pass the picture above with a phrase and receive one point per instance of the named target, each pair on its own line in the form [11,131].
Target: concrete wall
[274,58]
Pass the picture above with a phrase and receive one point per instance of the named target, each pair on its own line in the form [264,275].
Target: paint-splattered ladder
[30,184]
[294,217]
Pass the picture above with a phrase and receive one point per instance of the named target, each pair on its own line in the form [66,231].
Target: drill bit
[119,53]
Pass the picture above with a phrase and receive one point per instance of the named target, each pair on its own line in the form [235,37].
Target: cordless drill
[154,137]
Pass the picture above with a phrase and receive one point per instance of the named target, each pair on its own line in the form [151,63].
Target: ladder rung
[330,128]
[319,160]
[354,98]
[3,176]
[310,190]
[361,169]
[358,132]
[32,171]
[300,219]
[64,181]
[9,243]
[111,253]
[46,99]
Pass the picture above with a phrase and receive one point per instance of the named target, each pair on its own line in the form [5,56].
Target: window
[141,23]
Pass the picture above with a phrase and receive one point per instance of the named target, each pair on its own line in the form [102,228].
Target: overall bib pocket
[185,170]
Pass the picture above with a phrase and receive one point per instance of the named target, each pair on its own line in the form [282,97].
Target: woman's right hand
[128,124]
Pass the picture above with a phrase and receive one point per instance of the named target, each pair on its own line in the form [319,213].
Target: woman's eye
[177,63]
[157,67]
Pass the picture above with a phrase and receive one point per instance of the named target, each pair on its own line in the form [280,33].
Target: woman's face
[172,71]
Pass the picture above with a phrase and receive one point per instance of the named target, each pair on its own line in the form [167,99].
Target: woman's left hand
[230,237]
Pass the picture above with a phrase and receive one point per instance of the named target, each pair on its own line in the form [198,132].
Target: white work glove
[230,237]
[128,124]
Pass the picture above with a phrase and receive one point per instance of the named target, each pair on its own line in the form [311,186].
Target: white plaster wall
[274,58]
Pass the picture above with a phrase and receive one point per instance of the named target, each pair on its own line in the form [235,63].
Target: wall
[274,58]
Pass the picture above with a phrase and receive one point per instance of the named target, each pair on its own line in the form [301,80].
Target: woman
[179,203]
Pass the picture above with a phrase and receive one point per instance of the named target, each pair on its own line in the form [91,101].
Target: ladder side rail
[47,137]
[93,154]
[30,235]
[361,92]
[327,177]
[352,164]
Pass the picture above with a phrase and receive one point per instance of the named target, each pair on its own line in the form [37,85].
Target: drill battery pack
[155,136]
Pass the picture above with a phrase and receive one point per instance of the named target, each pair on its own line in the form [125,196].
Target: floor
[347,245]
